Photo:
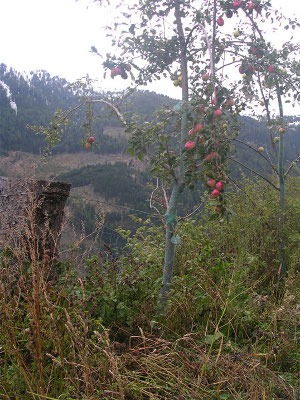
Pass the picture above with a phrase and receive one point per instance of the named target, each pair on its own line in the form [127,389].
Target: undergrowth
[231,331]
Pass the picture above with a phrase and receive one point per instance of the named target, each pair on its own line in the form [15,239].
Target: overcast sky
[56,35]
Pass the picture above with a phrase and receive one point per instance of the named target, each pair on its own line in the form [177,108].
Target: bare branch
[266,104]
[192,213]
[293,163]
[112,106]
[262,155]
[70,112]
[151,203]
[254,172]
[165,196]
[190,35]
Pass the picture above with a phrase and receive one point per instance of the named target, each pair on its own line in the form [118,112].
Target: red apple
[191,131]
[91,139]
[218,113]
[211,183]
[88,146]
[250,7]
[209,157]
[271,68]
[189,145]
[220,21]
[205,77]
[113,73]
[236,4]
[219,186]
[198,128]
[214,194]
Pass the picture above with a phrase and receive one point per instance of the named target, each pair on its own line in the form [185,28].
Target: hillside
[39,95]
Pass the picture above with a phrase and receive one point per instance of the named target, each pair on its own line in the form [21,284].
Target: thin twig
[293,163]
[114,108]
[151,198]
[165,196]
[192,213]
[254,172]
[262,155]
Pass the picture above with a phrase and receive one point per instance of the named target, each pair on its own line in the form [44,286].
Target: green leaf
[176,240]
[210,339]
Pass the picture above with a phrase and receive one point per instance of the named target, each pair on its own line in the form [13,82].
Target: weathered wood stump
[31,214]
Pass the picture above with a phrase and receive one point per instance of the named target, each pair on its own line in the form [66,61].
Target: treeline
[122,188]
[39,95]
[112,181]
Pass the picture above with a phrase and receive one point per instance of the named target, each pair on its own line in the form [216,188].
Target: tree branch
[113,107]
[293,163]
[268,113]
[262,155]
[254,172]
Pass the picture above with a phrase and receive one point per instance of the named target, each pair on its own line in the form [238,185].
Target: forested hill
[39,95]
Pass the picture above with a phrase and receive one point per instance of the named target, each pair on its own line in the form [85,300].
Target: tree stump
[31,214]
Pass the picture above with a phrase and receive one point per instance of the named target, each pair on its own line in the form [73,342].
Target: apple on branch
[219,186]
[215,193]
[218,113]
[220,21]
[189,145]
[211,183]
[271,68]
[198,128]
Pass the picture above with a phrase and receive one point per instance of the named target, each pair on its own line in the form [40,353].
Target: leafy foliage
[229,333]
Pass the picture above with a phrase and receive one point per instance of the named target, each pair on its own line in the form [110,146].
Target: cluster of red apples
[216,186]
[120,70]
[235,6]
[89,143]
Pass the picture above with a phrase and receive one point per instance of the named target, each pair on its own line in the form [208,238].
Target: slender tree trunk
[282,256]
[171,222]
[178,188]
[283,268]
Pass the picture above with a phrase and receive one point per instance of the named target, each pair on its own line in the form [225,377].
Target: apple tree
[200,47]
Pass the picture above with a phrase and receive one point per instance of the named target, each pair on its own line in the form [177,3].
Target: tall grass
[231,332]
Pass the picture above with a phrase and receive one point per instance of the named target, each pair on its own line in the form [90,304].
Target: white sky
[56,35]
